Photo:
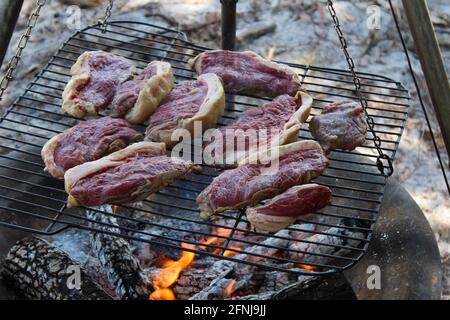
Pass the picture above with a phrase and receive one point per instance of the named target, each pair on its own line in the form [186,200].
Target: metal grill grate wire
[33,201]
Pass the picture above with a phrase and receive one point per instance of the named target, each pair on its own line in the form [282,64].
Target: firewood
[334,236]
[252,279]
[41,271]
[217,289]
[122,267]
[191,282]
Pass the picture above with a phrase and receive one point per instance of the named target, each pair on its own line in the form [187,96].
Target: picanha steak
[255,180]
[341,125]
[286,208]
[95,77]
[125,176]
[136,99]
[274,123]
[247,73]
[201,100]
[87,141]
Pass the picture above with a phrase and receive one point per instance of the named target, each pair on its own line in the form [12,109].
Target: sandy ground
[303,34]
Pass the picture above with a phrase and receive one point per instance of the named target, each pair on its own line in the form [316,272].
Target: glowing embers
[171,269]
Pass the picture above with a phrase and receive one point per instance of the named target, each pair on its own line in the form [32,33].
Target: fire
[170,273]
[171,269]
[307,267]
[229,287]
[221,232]
[228,253]
[163,294]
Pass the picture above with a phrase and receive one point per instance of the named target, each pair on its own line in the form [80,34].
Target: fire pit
[160,248]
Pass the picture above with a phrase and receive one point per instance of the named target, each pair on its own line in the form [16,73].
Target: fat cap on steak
[114,159]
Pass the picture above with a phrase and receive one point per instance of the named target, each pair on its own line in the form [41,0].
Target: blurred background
[298,31]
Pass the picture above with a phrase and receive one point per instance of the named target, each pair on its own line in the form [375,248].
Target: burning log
[43,272]
[269,247]
[230,271]
[334,287]
[250,279]
[191,282]
[169,274]
[122,267]
[220,288]
[334,237]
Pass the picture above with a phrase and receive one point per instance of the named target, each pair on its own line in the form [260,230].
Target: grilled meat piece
[248,73]
[136,99]
[341,125]
[258,178]
[274,123]
[286,208]
[201,100]
[125,176]
[87,141]
[95,77]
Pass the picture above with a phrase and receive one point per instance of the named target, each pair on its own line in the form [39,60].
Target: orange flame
[228,253]
[162,294]
[229,287]
[170,273]
[171,269]
[307,267]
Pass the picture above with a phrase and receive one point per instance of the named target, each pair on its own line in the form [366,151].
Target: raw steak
[286,208]
[200,100]
[341,125]
[274,123]
[136,99]
[87,141]
[253,181]
[95,77]
[246,72]
[125,176]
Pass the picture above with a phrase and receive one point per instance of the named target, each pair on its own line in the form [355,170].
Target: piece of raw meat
[341,125]
[136,99]
[286,208]
[95,77]
[247,73]
[274,123]
[258,178]
[201,100]
[125,176]
[87,141]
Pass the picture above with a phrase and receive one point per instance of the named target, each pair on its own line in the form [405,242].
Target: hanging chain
[104,22]
[12,64]
[357,82]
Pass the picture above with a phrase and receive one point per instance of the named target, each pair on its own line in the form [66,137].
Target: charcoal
[41,271]
[122,267]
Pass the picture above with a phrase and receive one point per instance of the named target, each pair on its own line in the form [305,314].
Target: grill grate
[35,202]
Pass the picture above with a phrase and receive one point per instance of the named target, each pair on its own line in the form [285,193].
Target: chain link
[14,61]
[104,22]
[357,82]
